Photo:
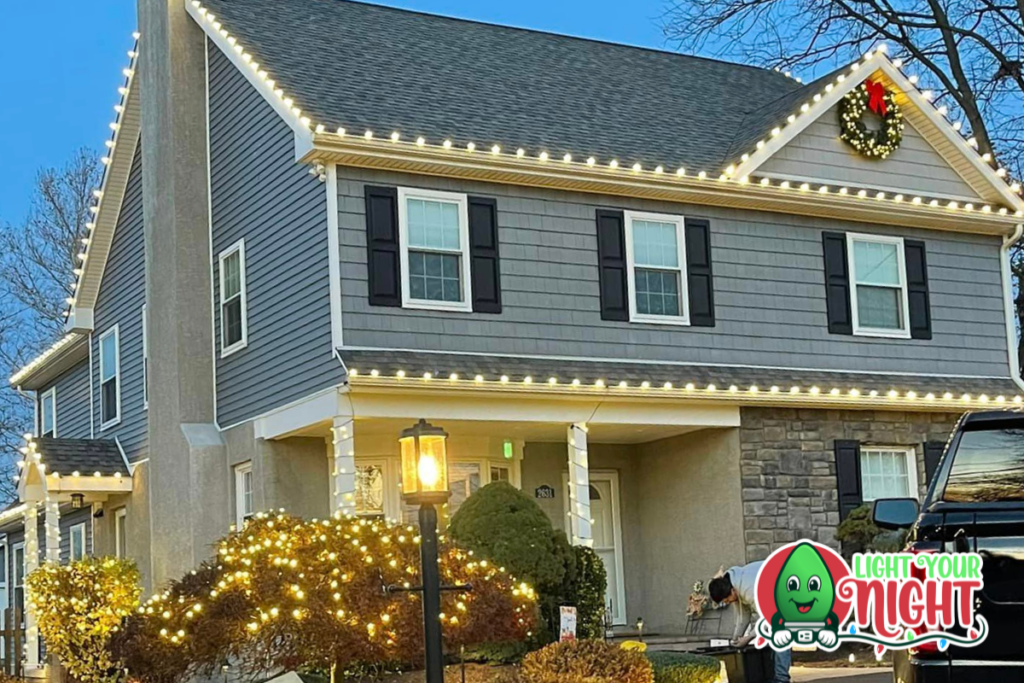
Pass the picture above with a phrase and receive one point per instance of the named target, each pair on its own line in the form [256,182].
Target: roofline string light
[111,145]
[546,157]
[792,394]
[45,356]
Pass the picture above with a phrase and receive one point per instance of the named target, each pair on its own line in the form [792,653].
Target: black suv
[975,503]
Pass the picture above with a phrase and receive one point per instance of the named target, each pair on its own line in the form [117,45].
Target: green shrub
[586,661]
[507,527]
[860,533]
[683,667]
[587,593]
[504,525]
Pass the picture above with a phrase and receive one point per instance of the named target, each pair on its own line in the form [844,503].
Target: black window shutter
[483,255]
[699,282]
[932,455]
[917,289]
[383,264]
[611,257]
[848,482]
[837,283]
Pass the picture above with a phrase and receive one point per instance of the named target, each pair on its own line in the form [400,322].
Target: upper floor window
[878,291]
[77,538]
[110,379]
[656,256]
[434,239]
[48,413]
[234,330]
[243,494]
[887,473]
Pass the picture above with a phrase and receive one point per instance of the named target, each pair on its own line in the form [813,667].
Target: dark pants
[783,660]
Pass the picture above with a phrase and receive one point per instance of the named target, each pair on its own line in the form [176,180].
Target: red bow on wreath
[876,93]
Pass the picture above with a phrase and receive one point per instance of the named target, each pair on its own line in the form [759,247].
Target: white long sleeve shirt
[744,580]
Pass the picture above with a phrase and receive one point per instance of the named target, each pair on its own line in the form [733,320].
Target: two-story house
[698,309]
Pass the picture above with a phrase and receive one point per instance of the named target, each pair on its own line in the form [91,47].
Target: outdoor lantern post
[425,483]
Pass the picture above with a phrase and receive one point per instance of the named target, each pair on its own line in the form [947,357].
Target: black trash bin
[744,665]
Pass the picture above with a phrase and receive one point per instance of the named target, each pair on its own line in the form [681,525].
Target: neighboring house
[657,292]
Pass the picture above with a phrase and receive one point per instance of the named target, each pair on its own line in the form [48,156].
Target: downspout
[1010,314]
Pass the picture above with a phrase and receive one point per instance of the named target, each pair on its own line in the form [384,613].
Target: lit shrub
[586,661]
[79,606]
[287,594]
[683,667]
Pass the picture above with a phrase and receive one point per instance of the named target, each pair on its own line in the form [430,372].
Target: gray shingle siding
[769,290]
[72,402]
[121,297]
[259,193]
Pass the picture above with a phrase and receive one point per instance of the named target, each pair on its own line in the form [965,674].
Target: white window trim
[238,247]
[120,518]
[910,453]
[684,297]
[117,374]
[145,361]
[50,394]
[77,529]
[240,513]
[465,273]
[904,333]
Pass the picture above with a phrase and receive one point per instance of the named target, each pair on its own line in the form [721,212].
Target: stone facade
[788,466]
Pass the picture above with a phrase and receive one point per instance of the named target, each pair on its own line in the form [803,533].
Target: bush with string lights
[79,606]
[288,594]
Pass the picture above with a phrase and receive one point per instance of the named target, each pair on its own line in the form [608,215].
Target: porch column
[343,478]
[52,522]
[579,486]
[31,564]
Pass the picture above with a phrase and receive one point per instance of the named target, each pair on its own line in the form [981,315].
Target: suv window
[988,467]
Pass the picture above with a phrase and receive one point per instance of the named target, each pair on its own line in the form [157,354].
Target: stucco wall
[681,513]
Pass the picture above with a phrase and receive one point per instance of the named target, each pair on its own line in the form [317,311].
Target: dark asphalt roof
[85,456]
[612,372]
[363,66]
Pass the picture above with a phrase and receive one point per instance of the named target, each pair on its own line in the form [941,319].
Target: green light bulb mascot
[804,596]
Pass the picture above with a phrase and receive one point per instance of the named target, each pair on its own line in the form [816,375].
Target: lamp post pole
[433,646]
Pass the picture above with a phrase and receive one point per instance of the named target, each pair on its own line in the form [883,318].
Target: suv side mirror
[894,513]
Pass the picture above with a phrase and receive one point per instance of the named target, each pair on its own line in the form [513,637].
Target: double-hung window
[434,239]
[48,413]
[234,325]
[878,291]
[110,379]
[243,494]
[887,472]
[656,255]
[77,538]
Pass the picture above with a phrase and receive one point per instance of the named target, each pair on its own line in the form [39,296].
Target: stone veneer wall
[788,466]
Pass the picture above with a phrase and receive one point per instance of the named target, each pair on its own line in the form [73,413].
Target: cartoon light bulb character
[804,597]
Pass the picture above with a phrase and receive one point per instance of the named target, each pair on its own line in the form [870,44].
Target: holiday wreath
[871,96]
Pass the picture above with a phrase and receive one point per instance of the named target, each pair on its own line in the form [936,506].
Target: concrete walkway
[802,674]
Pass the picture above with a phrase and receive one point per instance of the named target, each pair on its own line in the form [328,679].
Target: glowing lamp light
[424,464]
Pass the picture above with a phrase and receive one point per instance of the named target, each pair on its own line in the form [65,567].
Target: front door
[606,529]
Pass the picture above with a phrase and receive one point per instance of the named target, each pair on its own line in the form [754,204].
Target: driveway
[801,674]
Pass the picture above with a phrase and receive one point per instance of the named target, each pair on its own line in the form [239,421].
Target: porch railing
[12,643]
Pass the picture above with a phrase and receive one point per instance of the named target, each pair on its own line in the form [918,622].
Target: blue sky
[63,61]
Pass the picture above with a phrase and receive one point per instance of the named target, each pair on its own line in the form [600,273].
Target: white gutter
[1011,318]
